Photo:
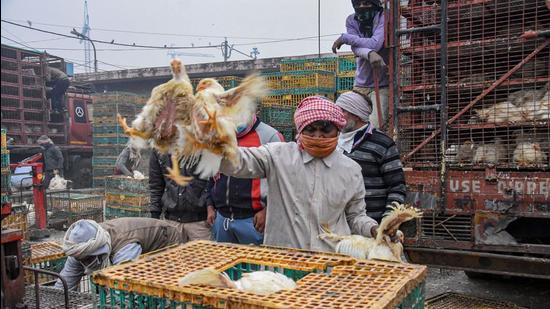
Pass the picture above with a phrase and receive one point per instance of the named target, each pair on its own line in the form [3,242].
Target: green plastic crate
[278,115]
[107,150]
[288,132]
[6,182]
[108,130]
[122,185]
[100,160]
[102,170]
[324,64]
[113,213]
[5,158]
[345,84]
[114,140]
[346,64]
[113,298]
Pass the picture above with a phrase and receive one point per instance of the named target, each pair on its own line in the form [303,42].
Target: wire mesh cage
[68,206]
[495,91]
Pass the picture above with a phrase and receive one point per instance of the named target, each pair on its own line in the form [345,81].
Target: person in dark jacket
[91,246]
[53,158]
[184,207]
[57,83]
[375,152]
[236,207]
[128,161]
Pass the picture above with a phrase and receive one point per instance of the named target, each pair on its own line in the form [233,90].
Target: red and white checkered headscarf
[315,108]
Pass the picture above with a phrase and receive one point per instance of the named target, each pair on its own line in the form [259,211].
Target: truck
[26,113]
[471,117]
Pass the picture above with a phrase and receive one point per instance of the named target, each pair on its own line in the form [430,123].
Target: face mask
[96,263]
[318,147]
[241,128]
[365,15]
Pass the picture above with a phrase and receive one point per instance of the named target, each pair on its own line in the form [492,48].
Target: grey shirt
[305,192]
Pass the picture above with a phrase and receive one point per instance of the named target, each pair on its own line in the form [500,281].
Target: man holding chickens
[374,151]
[311,185]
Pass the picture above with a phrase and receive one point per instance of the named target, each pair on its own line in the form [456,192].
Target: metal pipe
[406,109]
[443,109]
[395,73]
[36,271]
[419,29]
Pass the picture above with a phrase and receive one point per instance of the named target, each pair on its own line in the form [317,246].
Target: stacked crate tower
[126,197]
[345,73]
[297,79]
[5,169]
[108,138]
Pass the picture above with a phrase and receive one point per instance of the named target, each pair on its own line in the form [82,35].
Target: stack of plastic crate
[126,197]
[345,73]
[325,280]
[227,82]
[108,137]
[5,169]
[298,79]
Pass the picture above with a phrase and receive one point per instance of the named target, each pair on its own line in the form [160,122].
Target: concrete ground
[530,293]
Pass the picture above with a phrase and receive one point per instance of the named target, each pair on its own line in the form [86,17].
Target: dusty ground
[525,292]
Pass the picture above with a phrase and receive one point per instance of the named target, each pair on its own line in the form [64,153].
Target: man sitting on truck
[375,152]
[57,83]
[92,246]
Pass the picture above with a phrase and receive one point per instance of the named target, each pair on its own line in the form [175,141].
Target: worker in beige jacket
[310,184]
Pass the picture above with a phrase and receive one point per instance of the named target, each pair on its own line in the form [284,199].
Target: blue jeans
[238,231]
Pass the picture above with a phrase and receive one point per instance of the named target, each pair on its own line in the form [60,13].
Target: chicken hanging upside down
[198,130]
[258,282]
[381,247]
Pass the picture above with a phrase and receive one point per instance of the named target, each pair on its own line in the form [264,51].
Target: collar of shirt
[306,157]
[346,140]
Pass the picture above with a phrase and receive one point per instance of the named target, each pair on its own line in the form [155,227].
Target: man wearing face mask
[365,35]
[53,159]
[375,152]
[91,246]
[236,207]
[310,184]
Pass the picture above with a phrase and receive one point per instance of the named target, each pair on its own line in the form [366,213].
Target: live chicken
[381,247]
[257,282]
[529,154]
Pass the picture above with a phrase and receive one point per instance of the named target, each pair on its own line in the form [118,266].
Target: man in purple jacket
[365,35]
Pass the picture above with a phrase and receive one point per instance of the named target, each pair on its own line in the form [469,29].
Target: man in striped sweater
[376,153]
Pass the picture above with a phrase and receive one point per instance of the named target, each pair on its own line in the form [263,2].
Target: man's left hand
[376,60]
[259,221]
[337,44]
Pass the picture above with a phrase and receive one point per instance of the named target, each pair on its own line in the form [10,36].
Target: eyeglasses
[321,125]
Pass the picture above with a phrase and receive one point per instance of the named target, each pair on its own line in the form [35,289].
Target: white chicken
[381,247]
[57,182]
[197,130]
[537,109]
[466,152]
[490,153]
[503,112]
[529,154]
[257,282]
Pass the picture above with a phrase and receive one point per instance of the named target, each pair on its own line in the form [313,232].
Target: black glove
[155,214]
[376,61]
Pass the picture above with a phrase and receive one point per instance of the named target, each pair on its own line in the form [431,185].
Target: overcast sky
[177,22]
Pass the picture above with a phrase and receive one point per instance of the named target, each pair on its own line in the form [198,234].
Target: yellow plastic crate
[290,100]
[324,279]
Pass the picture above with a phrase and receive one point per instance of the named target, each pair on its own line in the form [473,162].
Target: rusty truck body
[471,116]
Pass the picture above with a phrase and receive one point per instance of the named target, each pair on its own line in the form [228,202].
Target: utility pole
[84,37]
[319,26]
[254,53]
[226,50]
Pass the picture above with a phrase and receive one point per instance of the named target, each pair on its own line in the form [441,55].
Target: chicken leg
[132,132]
[174,172]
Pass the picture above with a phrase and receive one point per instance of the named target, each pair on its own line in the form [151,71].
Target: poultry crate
[5,158]
[325,280]
[346,65]
[278,115]
[454,300]
[229,82]
[123,184]
[108,150]
[288,132]
[301,82]
[4,138]
[113,212]
[104,160]
[292,100]
[68,207]
[310,64]
[110,139]
[117,97]
[128,199]
[344,84]
[17,220]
